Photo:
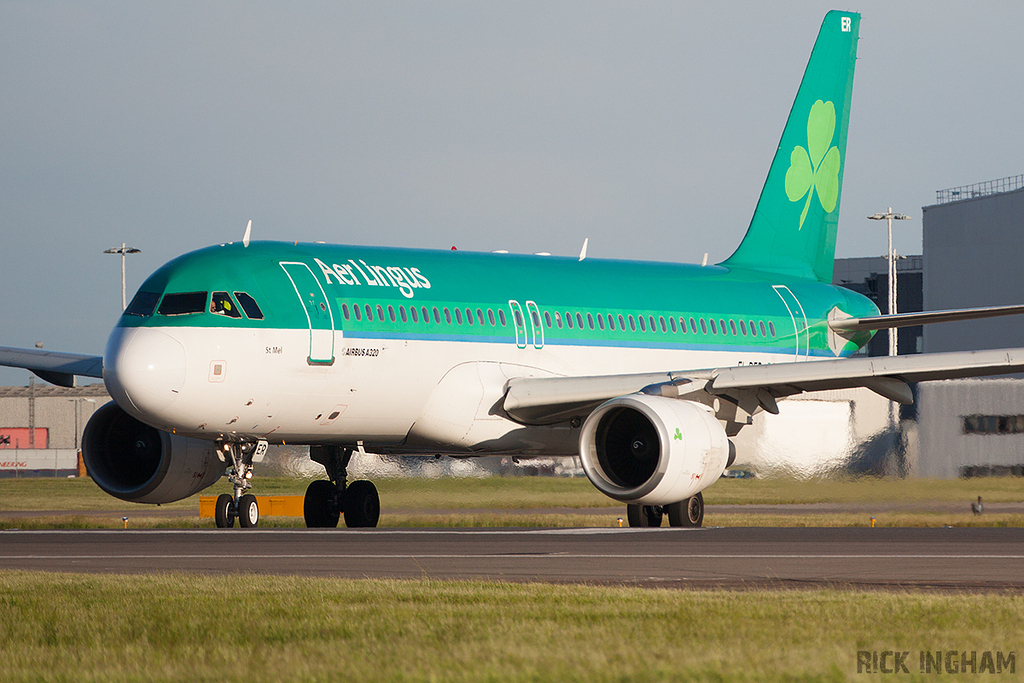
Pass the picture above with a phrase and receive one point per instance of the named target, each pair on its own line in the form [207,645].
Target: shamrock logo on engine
[817,167]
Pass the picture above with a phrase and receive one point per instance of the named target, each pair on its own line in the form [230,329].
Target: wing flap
[53,366]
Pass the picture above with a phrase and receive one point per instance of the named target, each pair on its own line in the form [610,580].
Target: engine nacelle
[653,450]
[135,462]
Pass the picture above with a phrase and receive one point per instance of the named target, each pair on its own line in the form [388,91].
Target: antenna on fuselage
[583,251]
[248,231]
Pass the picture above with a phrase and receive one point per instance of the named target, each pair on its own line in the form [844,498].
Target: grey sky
[647,127]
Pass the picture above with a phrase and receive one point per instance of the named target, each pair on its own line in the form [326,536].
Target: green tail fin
[793,230]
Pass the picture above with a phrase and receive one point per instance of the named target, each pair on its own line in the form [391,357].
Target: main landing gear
[242,506]
[326,500]
[689,513]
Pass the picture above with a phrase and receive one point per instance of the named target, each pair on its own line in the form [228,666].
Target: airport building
[973,248]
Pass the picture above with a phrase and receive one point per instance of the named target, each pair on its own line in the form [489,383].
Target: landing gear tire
[688,513]
[362,504]
[320,507]
[644,515]
[224,511]
[248,511]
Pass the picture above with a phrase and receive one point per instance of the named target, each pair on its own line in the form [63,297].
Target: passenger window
[693,326]
[437,316]
[143,304]
[536,319]
[380,313]
[622,323]
[661,319]
[743,329]
[547,319]
[771,328]
[643,327]
[391,312]
[425,313]
[703,326]
[568,319]
[760,324]
[458,316]
[650,322]
[184,303]
[415,317]
[753,329]
[714,329]
[501,317]
[369,313]
[632,324]
[721,324]
[249,305]
[480,316]
[469,316]
[600,322]
[519,318]
[590,321]
[490,317]
[401,314]
[448,315]
[355,309]
[558,319]
[579,320]
[344,310]
[611,322]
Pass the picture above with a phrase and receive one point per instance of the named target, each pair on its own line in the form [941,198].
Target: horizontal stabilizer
[53,366]
[885,322]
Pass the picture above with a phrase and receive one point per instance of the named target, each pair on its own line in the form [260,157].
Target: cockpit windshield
[222,304]
[143,304]
[184,303]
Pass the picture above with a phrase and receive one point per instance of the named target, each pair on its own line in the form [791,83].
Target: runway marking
[554,556]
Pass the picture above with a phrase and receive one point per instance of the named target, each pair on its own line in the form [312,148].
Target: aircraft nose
[144,368]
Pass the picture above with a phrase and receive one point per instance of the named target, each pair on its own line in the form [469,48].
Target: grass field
[515,501]
[245,628]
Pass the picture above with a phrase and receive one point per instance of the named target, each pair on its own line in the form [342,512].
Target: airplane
[642,369]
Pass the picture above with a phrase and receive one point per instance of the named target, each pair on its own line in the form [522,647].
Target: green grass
[518,493]
[251,628]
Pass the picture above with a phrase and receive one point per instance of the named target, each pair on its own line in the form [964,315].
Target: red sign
[18,437]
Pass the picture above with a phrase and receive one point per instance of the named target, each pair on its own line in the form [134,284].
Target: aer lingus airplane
[643,369]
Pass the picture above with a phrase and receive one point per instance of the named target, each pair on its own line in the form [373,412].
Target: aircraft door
[799,318]
[535,324]
[317,309]
[519,322]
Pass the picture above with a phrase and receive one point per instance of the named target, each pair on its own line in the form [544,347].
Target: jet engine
[653,450]
[140,464]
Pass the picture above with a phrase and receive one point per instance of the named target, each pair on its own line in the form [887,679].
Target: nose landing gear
[325,501]
[241,505]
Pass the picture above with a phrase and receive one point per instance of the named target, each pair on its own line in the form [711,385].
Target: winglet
[583,251]
[248,231]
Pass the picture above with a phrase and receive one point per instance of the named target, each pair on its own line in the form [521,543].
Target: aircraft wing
[53,366]
[540,400]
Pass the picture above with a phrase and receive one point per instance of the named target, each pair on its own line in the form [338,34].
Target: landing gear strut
[687,513]
[241,505]
[326,500]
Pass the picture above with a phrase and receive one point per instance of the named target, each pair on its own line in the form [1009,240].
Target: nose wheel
[242,505]
[325,501]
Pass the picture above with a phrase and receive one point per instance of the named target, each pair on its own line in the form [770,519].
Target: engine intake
[653,450]
[140,464]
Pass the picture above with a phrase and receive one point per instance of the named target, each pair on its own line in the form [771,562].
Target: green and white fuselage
[424,366]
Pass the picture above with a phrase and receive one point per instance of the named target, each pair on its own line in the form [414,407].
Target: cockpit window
[143,304]
[222,304]
[249,305]
[183,303]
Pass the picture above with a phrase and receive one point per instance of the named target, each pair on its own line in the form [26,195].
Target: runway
[943,558]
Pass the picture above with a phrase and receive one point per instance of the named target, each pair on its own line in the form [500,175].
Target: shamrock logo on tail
[817,167]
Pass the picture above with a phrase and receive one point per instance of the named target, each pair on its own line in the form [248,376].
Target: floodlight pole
[889,217]
[122,250]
